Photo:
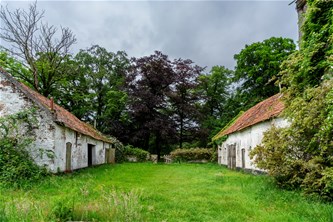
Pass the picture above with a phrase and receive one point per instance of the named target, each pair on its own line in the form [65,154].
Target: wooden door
[243,158]
[107,155]
[232,156]
[68,157]
[112,155]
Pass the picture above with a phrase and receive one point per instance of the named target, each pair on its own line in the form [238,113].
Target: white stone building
[73,143]
[246,132]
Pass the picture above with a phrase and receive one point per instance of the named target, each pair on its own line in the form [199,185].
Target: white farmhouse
[73,143]
[246,132]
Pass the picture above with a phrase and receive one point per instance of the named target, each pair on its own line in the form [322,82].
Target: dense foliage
[301,155]
[140,154]
[192,154]
[161,102]
[214,88]
[257,68]
[17,168]
[306,67]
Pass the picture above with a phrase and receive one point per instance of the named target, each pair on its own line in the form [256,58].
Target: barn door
[107,155]
[112,155]
[243,158]
[68,157]
[232,156]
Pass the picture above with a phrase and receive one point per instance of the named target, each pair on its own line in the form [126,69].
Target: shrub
[140,154]
[120,150]
[300,156]
[17,168]
[192,154]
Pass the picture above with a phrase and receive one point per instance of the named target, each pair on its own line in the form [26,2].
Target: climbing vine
[301,155]
[309,66]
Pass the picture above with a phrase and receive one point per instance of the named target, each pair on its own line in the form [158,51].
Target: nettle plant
[17,167]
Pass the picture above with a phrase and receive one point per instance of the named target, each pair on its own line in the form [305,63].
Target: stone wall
[79,154]
[12,101]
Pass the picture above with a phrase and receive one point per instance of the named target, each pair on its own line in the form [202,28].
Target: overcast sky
[207,32]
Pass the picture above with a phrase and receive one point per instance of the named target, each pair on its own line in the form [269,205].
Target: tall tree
[184,99]
[257,68]
[34,42]
[101,76]
[214,88]
[149,83]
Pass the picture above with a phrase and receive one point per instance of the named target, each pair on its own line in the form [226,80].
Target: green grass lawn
[158,192]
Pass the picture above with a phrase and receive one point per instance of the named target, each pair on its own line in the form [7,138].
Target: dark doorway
[91,150]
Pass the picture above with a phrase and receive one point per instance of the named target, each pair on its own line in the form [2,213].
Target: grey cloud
[208,32]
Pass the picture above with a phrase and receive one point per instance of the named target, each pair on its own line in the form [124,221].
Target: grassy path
[148,192]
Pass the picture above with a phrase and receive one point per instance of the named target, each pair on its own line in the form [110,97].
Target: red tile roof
[264,110]
[61,115]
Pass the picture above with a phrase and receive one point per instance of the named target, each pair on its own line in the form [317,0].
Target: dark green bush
[319,181]
[120,150]
[192,154]
[140,154]
[300,156]
[17,168]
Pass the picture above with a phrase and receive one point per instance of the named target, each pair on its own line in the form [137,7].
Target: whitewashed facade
[243,142]
[247,131]
[57,145]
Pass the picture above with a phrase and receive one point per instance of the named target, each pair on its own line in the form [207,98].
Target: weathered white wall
[247,139]
[12,101]
[79,143]
[49,137]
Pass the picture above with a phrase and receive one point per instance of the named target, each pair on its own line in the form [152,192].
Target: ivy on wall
[301,156]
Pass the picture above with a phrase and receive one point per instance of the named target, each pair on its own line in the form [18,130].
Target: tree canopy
[36,45]
[258,66]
